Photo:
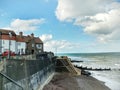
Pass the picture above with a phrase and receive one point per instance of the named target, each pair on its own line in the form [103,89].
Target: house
[29,44]
[7,40]
[19,44]
[34,45]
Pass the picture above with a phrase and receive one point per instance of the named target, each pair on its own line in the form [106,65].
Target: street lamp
[10,35]
[56,50]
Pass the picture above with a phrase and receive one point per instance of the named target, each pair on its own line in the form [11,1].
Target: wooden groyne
[76,61]
[93,69]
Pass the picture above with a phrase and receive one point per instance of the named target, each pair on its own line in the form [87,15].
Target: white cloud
[72,9]
[25,25]
[65,46]
[46,37]
[98,17]
[52,45]
[105,26]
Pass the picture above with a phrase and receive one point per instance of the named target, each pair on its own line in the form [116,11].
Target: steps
[68,65]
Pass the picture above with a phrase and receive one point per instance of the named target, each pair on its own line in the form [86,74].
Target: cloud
[25,25]
[105,26]
[98,17]
[46,37]
[72,9]
[60,45]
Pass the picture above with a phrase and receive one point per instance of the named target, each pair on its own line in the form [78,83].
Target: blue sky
[66,25]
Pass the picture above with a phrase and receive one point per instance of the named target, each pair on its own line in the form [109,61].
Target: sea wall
[30,74]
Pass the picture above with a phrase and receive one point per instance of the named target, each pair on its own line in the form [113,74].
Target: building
[7,40]
[19,44]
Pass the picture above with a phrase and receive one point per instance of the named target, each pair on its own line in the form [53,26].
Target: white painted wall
[20,46]
[5,45]
[14,46]
[0,46]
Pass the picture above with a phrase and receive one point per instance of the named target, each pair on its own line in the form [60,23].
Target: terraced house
[19,44]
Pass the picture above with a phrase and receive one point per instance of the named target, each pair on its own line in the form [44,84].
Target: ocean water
[100,60]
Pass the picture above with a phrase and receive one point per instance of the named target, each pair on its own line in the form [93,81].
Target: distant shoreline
[88,53]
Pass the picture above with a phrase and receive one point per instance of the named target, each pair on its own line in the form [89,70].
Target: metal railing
[6,81]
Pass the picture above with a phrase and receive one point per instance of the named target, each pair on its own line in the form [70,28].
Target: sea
[100,60]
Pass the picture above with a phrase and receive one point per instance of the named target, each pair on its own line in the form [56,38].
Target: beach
[66,81]
[100,60]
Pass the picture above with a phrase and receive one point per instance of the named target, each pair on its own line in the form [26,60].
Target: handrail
[13,81]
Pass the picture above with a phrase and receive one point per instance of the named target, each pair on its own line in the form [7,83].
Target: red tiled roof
[6,32]
[27,38]
[18,37]
[21,39]
[38,40]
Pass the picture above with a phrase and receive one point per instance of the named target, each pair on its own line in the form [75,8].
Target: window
[39,51]
[32,45]
[39,46]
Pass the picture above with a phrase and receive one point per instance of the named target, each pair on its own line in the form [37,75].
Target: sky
[66,26]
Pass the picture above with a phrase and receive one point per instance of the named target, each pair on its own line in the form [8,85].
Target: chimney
[21,34]
[32,35]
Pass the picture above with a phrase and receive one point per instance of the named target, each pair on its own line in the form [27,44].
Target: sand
[66,81]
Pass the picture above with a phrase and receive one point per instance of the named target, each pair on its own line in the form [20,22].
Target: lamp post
[56,50]
[10,35]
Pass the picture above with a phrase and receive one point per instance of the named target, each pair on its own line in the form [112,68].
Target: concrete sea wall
[30,74]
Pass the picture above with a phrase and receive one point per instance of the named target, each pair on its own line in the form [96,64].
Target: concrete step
[69,66]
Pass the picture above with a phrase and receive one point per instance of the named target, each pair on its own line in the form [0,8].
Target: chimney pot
[32,35]
[21,34]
